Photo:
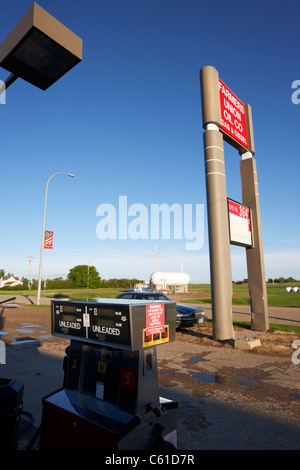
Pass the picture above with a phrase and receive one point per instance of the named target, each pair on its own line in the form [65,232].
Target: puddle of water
[10,305]
[250,379]
[16,343]
[29,325]
[211,378]
[224,380]
[246,385]
[21,330]
[205,378]
[196,359]
[295,395]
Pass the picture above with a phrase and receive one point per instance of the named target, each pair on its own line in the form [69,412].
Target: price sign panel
[239,224]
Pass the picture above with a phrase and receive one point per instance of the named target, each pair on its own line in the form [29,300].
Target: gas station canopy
[40,49]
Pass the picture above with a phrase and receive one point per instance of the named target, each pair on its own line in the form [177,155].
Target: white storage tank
[166,280]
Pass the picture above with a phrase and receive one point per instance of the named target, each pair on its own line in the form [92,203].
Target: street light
[39,49]
[29,282]
[43,235]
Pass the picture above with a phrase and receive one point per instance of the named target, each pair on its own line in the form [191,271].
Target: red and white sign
[239,224]
[48,243]
[155,319]
[233,116]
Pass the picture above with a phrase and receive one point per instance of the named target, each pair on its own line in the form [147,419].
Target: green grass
[70,292]
[84,296]
[273,326]
[277,295]
[199,287]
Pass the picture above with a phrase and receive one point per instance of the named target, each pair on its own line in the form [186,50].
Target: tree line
[282,280]
[278,280]
[81,276]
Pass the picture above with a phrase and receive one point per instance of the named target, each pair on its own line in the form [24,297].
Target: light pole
[43,235]
[29,283]
[39,50]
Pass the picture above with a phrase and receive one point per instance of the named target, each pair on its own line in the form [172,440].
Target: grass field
[277,295]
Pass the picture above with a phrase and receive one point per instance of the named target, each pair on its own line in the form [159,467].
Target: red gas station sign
[233,116]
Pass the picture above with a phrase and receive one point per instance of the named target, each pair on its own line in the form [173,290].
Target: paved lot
[228,399]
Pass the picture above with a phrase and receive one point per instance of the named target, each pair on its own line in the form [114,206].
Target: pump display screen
[97,323]
[110,324]
[122,323]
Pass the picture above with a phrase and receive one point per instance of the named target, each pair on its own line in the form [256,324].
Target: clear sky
[127,123]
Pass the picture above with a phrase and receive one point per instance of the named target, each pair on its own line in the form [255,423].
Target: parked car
[186,315]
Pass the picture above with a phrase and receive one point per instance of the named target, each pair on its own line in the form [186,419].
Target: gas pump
[110,397]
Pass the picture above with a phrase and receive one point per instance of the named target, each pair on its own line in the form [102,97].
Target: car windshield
[143,295]
[156,297]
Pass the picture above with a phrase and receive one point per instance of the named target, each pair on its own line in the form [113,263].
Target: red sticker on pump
[155,319]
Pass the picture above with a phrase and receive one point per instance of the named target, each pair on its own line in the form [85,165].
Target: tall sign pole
[255,256]
[218,229]
[226,117]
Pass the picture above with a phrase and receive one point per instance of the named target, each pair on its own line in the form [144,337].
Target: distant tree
[290,279]
[59,283]
[120,283]
[25,282]
[84,276]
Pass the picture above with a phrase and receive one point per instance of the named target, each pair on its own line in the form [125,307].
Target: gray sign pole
[254,254]
[217,208]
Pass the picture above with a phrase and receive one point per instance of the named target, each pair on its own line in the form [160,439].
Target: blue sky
[127,122]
